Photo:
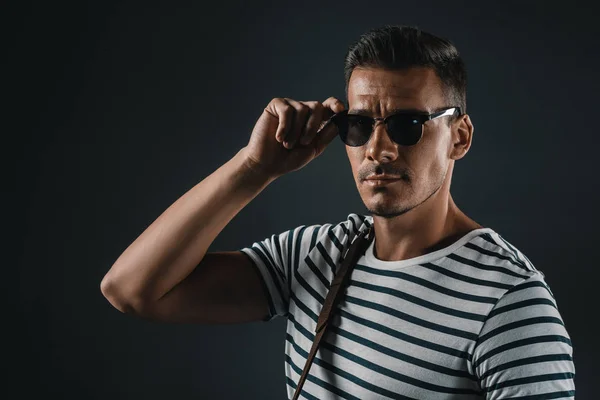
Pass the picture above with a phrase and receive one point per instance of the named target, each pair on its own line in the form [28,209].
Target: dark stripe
[310,289]
[316,272]
[390,352]
[316,380]
[547,396]
[485,267]
[528,260]
[427,284]
[530,379]
[411,319]
[273,274]
[488,237]
[401,356]
[373,325]
[512,248]
[300,328]
[313,239]
[519,324]
[407,338]
[326,257]
[290,243]
[520,343]
[361,218]
[527,285]
[298,248]
[354,228]
[303,392]
[335,240]
[548,289]
[490,253]
[272,311]
[310,313]
[520,304]
[526,361]
[395,375]
[393,353]
[345,229]
[276,241]
[344,374]
[464,278]
[272,262]
[419,301]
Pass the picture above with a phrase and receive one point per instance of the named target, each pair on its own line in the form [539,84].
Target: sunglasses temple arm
[450,111]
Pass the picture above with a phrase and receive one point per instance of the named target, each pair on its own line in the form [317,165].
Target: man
[438,307]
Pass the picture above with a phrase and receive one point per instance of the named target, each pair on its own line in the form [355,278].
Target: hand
[289,134]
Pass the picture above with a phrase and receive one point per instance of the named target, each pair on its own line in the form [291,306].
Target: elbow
[120,298]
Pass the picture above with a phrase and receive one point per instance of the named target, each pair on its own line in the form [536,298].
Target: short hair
[398,47]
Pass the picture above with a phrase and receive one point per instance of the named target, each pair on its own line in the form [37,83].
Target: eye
[359,121]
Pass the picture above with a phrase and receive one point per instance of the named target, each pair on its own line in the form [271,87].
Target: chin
[387,212]
[387,209]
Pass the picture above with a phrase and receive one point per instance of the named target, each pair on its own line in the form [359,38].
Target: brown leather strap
[357,249]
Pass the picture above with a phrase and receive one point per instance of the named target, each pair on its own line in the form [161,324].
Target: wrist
[252,169]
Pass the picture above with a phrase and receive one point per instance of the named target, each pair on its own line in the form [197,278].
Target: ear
[462,135]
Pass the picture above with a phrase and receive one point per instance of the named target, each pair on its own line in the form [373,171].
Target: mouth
[381,180]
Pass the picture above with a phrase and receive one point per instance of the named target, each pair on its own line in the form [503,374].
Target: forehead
[378,90]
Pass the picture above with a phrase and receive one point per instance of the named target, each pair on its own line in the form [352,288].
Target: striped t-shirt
[470,321]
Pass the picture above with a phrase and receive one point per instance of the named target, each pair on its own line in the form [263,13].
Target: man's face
[422,166]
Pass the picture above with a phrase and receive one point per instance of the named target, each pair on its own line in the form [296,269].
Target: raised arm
[166,273]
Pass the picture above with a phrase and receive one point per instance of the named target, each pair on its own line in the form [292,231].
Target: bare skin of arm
[159,275]
[167,275]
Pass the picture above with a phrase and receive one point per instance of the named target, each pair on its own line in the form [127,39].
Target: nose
[381,147]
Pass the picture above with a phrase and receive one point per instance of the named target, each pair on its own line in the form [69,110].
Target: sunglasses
[404,127]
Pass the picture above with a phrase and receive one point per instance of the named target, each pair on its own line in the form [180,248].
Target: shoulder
[503,259]
[504,262]
[302,239]
[342,233]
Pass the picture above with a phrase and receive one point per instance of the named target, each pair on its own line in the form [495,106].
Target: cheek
[427,163]
[355,158]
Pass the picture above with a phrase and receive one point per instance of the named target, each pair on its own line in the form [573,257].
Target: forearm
[173,245]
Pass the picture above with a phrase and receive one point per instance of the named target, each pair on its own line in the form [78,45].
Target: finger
[314,121]
[328,130]
[333,106]
[302,112]
[285,113]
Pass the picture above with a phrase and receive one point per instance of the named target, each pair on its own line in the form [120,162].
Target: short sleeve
[276,258]
[523,348]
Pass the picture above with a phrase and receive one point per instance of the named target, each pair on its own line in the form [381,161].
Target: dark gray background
[123,107]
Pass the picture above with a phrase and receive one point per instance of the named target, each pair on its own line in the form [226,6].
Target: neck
[434,224]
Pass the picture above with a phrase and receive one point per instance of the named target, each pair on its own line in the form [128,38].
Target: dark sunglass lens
[406,130]
[359,130]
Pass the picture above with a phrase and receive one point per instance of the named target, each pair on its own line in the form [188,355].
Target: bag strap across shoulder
[356,250]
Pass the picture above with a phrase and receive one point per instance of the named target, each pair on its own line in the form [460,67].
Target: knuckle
[303,110]
[318,106]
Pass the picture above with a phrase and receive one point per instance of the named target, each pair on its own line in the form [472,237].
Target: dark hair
[401,47]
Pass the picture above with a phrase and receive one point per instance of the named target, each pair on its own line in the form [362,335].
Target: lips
[383,177]
[380,180]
